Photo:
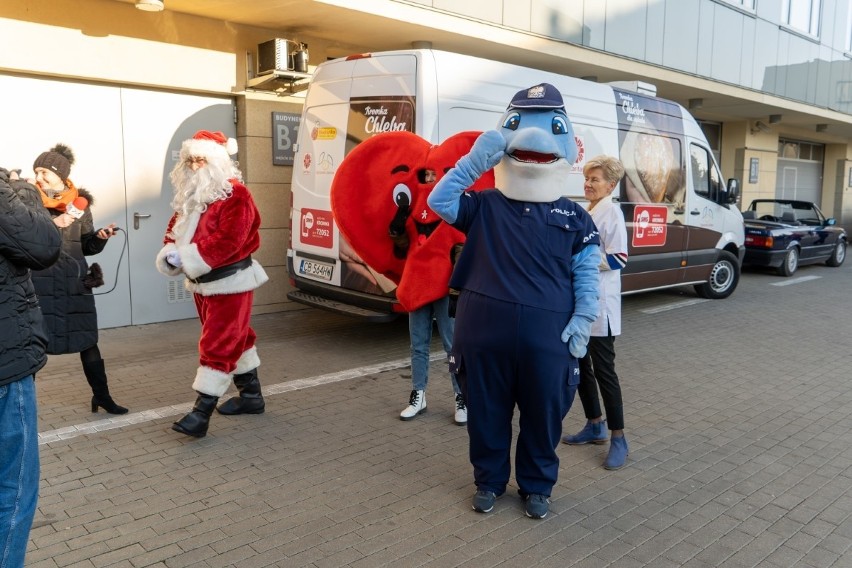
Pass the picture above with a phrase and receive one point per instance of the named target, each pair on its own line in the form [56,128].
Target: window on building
[795,150]
[747,4]
[802,15]
[849,30]
[713,132]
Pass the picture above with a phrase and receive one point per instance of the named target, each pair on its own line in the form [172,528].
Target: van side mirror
[733,190]
[831,221]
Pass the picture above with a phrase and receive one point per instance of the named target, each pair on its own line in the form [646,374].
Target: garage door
[800,166]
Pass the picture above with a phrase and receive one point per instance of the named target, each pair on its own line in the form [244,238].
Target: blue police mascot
[528,276]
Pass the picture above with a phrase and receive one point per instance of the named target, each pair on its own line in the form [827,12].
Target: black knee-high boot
[95,372]
[250,400]
[196,422]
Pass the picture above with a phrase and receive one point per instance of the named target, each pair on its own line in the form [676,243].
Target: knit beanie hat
[58,160]
[210,145]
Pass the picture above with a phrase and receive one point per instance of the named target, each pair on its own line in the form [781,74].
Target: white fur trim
[243,281]
[164,267]
[193,265]
[533,183]
[189,229]
[231,146]
[211,382]
[205,149]
[249,360]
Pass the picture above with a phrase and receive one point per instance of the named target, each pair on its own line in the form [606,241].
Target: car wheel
[723,278]
[790,264]
[839,255]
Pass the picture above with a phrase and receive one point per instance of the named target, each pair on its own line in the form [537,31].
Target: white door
[155,125]
[41,112]
[125,142]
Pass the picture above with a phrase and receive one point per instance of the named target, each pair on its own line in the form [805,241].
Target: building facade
[769,80]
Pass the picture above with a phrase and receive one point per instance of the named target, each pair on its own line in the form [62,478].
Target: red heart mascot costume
[378,197]
[210,239]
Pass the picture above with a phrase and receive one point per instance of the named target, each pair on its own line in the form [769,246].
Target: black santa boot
[196,422]
[250,400]
[95,372]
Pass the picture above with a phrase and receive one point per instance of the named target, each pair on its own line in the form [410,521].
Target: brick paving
[738,415]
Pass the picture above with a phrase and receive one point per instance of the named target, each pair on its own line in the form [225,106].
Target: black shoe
[95,372]
[197,421]
[536,506]
[250,400]
[483,501]
[107,404]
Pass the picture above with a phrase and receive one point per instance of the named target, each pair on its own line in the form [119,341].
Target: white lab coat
[609,220]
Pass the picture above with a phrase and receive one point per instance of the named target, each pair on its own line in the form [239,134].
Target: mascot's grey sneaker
[483,501]
[460,417]
[536,506]
[416,405]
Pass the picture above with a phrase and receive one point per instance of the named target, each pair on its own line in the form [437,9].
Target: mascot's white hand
[576,334]
[173,258]
[487,151]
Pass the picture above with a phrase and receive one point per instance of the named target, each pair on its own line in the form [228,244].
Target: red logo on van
[649,225]
[315,228]
[578,164]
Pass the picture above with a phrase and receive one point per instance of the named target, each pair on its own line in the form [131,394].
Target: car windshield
[796,211]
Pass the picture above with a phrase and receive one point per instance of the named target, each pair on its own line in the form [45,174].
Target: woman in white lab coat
[597,368]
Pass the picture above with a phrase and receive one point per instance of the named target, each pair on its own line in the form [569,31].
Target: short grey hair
[611,167]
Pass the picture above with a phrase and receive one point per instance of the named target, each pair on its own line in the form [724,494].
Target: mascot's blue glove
[173,258]
[487,151]
[576,334]
[585,284]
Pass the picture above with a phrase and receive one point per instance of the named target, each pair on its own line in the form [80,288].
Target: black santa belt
[222,271]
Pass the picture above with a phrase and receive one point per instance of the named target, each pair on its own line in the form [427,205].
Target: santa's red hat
[210,145]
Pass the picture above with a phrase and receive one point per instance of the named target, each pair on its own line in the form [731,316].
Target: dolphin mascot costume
[528,276]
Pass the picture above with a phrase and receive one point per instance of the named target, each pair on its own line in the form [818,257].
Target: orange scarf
[64,198]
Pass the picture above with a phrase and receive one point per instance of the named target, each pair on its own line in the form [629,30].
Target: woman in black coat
[64,289]
[28,240]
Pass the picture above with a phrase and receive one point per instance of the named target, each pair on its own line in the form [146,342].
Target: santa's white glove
[173,258]
[577,334]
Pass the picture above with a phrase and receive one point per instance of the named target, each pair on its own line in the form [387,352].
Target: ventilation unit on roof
[275,55]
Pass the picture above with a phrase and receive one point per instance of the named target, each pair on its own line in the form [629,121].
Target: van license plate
[316,269]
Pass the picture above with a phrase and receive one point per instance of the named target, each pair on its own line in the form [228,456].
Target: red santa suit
[215,248]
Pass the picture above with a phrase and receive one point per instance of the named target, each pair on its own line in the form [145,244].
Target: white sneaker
[461,411]
[416,405]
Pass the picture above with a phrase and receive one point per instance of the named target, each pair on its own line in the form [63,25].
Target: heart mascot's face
[378,198]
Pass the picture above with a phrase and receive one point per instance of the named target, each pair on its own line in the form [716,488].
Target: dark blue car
[784,233]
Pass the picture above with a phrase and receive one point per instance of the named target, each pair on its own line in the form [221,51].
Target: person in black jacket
[64,289]
[28,240]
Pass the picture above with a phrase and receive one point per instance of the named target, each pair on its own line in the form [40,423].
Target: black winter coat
[68,306]
[28,239]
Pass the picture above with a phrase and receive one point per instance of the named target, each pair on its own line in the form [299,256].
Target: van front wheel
[723,278]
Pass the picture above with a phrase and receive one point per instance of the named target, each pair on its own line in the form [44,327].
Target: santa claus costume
[210,239]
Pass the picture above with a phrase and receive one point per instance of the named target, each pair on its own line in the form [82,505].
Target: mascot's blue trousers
[507,354]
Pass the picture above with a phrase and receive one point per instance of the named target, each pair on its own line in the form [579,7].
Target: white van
[682,227]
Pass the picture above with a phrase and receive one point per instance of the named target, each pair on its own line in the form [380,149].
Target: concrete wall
[270,186]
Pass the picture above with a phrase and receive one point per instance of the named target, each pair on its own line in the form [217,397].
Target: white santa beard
[195,190]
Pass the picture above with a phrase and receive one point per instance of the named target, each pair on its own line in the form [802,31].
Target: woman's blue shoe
[592,433]
[617,455]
